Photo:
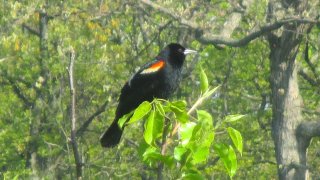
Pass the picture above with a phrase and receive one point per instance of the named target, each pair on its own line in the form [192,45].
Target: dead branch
[73,139]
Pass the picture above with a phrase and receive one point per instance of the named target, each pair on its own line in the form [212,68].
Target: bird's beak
[189,51]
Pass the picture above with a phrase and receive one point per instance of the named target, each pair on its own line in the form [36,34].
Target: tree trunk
[286,102]
[32,160]
[286,112]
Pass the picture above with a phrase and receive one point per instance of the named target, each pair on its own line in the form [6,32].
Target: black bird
[156,79]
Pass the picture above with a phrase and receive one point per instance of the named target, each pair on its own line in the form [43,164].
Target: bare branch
[310,80]
[32,31]
[307,59]
[314,82]
[73,140]
[213,39]
[20,94]
[171,14]
[266,161]
[309,129]
[207,38]
[86,124]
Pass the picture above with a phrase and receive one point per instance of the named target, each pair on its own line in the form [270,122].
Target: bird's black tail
[111,137]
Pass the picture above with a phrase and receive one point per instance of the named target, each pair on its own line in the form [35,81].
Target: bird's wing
[152,67]
[141,87]
[146,72]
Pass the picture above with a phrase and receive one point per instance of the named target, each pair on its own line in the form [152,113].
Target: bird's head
[176,53]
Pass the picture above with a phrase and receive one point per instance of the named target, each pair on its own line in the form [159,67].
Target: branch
[214,39]
[73,117]
[32,31]
[20,94]
[164,145]
[209,163]
[309,129]
[307,59]
[310,80]
[314,82]
[206,37]
[86,124]
[293,165]
[163,10]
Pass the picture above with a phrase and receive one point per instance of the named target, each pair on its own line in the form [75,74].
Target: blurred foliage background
[111,39]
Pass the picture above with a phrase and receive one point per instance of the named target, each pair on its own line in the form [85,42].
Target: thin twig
[73,139]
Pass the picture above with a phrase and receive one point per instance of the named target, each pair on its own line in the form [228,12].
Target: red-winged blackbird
[156,79]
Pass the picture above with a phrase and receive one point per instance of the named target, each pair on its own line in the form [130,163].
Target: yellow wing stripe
[154,67]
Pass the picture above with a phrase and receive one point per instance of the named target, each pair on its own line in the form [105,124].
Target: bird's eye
[180,50]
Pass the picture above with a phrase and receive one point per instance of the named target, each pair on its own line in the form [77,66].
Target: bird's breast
[171,81]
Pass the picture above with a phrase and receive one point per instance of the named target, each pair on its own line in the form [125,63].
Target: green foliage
[236,138]
[153,127]
[228,156]
[179,110]
[165,119]
[233,118]
[122,121]
[203,80]
[193,145]
[142,110]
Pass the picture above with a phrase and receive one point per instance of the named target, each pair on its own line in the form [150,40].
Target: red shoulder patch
[154,67]
[157,65]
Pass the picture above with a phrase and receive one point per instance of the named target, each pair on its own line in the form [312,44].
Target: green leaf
[155,156]
[201,154]
[179,152]
[179,109]
[208,138]
[153,127]
[148,137]
[192,176]
[160,108]
[224,5]
[124,119]
[203,81]
[205,118]
[16,177]
[232,118]
[142,110]
[186,132]
[182,105]
[236,138]
[233,159]
[147,151]
[228,156]
[168,160]
[210,92]
[143,147]
[151,156]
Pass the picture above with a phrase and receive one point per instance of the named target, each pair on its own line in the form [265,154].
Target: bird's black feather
[145,85]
